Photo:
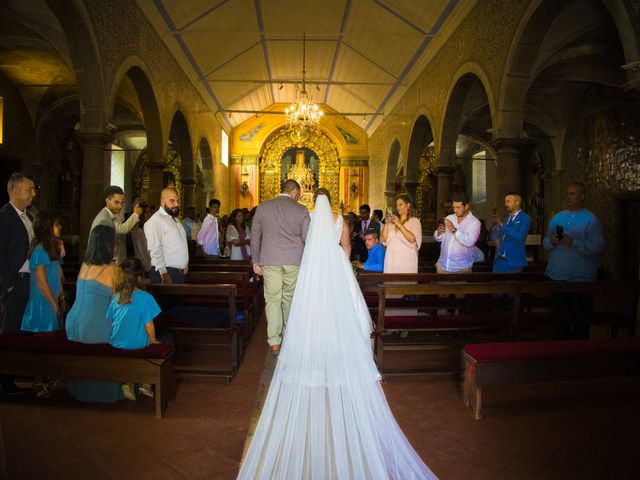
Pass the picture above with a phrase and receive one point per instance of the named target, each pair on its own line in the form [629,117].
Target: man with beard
[167,241]
[111,216]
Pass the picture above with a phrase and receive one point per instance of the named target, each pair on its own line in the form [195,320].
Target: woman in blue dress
[42,313]
[131,314]
[87,320]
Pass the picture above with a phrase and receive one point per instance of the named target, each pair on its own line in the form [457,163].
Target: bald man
[512,235]
[167,241]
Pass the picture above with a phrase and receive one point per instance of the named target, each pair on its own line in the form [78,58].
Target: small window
[479,175]
[117,166]
[224,149]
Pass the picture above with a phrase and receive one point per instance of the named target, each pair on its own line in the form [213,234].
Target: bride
[326,416]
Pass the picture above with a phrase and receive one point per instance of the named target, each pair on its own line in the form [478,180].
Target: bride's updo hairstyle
[321,191]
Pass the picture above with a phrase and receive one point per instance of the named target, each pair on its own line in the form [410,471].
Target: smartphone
[559,232]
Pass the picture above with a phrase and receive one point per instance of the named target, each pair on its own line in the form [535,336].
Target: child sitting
[131,312]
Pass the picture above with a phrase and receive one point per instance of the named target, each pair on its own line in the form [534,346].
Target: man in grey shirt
[278,233]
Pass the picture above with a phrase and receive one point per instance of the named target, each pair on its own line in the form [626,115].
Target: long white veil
[326,416]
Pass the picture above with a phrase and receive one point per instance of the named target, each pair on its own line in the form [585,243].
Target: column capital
[97,139]
[510,144]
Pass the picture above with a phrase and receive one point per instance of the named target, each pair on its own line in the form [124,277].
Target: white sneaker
[146,390]
[127,391]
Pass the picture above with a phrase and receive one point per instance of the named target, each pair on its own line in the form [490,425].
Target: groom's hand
[257,269]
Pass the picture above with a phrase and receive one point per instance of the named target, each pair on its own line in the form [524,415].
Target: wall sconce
[244,186]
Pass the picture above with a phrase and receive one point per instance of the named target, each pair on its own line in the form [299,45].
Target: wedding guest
[131,314]
[375,259]
[512,236]
[574,241]
[209,235]
[87,321]
[16,232]
[361,227]
[43,311]
[112,215]
[139,241]
[167,241]
[377,216]
[238,236]
[402,235]
[458,235]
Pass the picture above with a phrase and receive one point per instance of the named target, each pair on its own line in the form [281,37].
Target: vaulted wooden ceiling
[245,55]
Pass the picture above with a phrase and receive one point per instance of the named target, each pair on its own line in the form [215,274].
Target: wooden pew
[460,309]
[245,295]
[208,346]
[517,362]
[615,305]
[57,357]
[370,281]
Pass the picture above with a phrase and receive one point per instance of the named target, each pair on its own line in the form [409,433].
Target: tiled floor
[579,430]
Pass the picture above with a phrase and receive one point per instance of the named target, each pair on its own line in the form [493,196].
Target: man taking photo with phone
[574,241]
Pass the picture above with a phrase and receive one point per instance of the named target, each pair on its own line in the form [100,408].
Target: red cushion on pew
[496,352]
[59,344]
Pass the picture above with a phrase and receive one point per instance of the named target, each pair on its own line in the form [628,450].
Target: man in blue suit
[512,235]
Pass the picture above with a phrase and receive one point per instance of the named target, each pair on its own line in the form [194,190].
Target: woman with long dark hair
[43,309]
[238,236]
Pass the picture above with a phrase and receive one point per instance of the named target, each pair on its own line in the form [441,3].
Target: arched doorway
[467,159]
[279,143]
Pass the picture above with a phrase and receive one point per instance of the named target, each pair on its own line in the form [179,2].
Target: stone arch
[206,159]
[84,53]
[529,36]
[279,142]
[135,69]
[466,83]
[395,152]
[421,137]
[180,137]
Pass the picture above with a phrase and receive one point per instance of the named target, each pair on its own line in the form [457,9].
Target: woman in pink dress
[402,235]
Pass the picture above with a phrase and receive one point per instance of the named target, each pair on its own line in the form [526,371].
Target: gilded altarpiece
[271,162]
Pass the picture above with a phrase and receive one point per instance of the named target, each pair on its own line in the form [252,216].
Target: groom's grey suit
[278,232]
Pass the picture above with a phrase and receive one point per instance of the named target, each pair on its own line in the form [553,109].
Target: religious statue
[304,176]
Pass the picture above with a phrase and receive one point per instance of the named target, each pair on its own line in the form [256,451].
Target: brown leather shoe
[275,349]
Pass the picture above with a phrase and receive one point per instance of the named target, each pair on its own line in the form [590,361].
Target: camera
[560,232]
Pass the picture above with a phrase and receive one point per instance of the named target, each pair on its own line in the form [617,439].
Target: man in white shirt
[167,241]
[112,216]
[458,235]
[209,234]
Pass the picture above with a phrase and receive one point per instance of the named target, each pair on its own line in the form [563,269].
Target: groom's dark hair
[289,186]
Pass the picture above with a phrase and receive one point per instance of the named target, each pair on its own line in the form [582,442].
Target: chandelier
[304,114]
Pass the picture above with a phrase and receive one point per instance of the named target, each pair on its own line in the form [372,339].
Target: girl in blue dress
[131,314]
[42,313]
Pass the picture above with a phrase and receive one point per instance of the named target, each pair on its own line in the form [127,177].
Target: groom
[278,233]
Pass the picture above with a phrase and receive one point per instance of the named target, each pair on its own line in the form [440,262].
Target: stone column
[508,152]
[412,188]
[444,188]
[189,193]
[95,168]
[156,182]
[389,200]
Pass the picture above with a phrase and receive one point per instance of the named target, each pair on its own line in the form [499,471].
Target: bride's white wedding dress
[326,416]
